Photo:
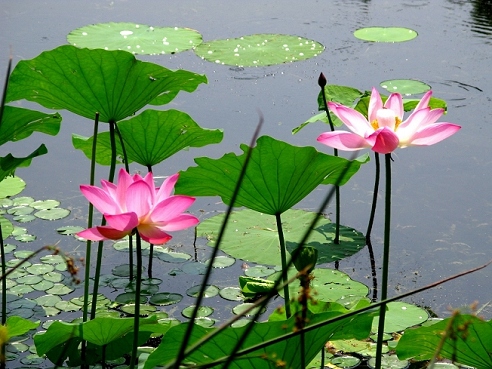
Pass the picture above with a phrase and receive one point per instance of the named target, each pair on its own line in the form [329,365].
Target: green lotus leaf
[470,342]
[385,34]
[286,349]
[9,163]
[17,326]
[135,38]
[259,50]
[253,237]
[84,81]
[151,137]
[19,123]
[278,176]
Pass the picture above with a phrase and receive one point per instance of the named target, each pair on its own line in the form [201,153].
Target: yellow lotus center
[384,114]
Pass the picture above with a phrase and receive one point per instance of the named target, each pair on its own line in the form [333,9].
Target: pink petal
[153,234]
[433,134]
[180,222]
[171,208]
[375,103]
[101,233]
[386,118]
[112,234]
[424,101]
[138,198]
[417,121]
[384,141]
[395,103]
[167,188]
[122,222]
[100,199]
[149,179]
[354,120]
[343,140]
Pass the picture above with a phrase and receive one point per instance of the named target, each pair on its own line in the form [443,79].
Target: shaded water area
[442,203]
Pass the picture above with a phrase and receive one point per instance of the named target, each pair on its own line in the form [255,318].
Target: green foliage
[253,286]
[278,176]
[259,50]
[17,326]
[253,232]
[151,137]
[284,349]
[385,34]
[468,341]
[84,81]
[135,38]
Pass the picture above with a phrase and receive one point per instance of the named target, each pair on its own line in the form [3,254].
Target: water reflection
[482,18]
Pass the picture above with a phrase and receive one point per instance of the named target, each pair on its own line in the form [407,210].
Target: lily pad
[165,298]
[69,230]
[259,50]
[25,238]
[172,257]
[222,262]
[203,311]
[401,316]
[135,38]
[253,237]
[231,294]
[259,271]
[241,309]
[11,186]
[389,362]
[52,214]
[45,204]
[210,291]
[385,34]
[405,86]
[7,227]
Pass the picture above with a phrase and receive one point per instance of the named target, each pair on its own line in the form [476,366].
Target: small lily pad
[405,86]
[24,218]
[385,34]
[45,204]
[172,257]
[29,279]
[222,262]
[38,269]
[123,270]
[60,289]
[389,362]
[69,230]
[210,291]
[52,214]
[21,254]
[231,294]
[22,201]
[346,362]
[52,259]
[145,310]
[165,298]
[11,186]
[240,309]
[401,316]
[203,311]
[48,300]
[205,322]
[128,298]
[194,268]
[25,238]
[21,289]
[135,38]
[259,271]
[20,210]
[67,306]
[259,50]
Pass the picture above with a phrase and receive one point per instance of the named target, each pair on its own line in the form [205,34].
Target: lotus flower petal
[343,140]
[123,222]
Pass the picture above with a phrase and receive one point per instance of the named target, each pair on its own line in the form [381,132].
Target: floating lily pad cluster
[246,51]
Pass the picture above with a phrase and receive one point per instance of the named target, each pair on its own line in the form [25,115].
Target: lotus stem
[374,198]
[322,84]
[138,283]
[283,257]
[151,249]
[384,282]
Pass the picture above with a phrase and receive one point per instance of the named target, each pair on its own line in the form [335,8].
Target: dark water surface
[442,202]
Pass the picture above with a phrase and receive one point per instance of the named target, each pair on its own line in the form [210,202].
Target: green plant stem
[283,257]
[374,198]
[138,282]
[336,241]
[151,248]
[386,249]
[97,273]
[181,353]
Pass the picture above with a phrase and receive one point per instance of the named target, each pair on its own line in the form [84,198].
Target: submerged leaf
[278,176]
[84,81]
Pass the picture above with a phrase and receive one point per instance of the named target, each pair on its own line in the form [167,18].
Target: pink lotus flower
[385,130]
[136,203]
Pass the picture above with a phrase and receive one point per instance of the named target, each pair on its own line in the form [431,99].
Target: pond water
[442,204]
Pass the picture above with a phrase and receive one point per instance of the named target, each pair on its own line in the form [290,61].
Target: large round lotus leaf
[253,236]
[135,38]
[259,50]
[11,186]
[52,214]
[401,316]
[405,86]
[385,34]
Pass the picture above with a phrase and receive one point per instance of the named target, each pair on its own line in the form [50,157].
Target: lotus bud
[305,256]
[322,80]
